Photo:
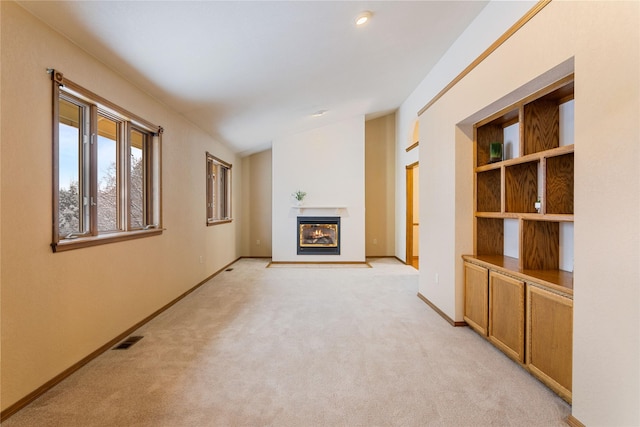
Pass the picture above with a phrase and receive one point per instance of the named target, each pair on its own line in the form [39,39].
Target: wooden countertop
[558,280]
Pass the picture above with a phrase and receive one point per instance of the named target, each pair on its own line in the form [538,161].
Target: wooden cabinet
[550,335]
[476,300]
[506,314]
[529,318]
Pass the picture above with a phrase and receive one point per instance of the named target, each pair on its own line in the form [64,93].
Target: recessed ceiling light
[363,18]
[319,113]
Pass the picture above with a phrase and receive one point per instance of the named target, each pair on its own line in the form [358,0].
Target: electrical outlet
[375,241]
[258,242]
[201,259]
[436,278]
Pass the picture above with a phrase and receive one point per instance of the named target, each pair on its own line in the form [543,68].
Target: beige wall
[600,41]
[379,173]
[496,18]
[257,204]
[58,308]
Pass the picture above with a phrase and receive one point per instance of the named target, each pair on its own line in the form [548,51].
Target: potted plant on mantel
[299,197]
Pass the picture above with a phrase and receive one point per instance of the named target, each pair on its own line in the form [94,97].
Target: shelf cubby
[490,236]
[559,184]
[492,130]
[488,191]
[521,187]
[541,129]
[485,136]
[540,245]
[541,117]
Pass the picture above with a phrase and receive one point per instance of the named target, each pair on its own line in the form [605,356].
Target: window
[218,191]
[106,164]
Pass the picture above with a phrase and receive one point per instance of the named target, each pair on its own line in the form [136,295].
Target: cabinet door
[506,315]
[550,335]
[476,297]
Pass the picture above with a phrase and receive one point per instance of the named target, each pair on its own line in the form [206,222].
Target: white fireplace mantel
[338,210]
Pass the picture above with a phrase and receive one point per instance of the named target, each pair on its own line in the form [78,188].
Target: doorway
[413,216]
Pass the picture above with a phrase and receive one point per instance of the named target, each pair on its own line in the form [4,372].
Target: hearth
[318,235]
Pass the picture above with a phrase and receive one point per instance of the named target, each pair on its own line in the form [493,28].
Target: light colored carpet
[257,346]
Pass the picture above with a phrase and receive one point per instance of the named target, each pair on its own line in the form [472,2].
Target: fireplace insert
[318,235]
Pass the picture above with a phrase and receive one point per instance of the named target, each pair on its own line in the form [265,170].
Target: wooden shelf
[527,216]
[565,149]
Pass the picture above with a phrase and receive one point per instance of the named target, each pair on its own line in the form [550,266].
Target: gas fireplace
[318,235]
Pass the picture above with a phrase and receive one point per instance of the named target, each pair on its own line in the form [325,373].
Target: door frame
[410,219]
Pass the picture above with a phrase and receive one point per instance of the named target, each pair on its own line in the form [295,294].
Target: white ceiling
[247,72]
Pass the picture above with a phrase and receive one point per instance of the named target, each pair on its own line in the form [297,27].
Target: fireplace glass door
[319,235]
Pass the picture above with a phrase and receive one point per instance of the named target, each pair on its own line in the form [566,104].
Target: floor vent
[124,345]
[229,269]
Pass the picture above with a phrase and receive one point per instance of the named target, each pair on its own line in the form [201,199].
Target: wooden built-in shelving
[509,189]
[521,299]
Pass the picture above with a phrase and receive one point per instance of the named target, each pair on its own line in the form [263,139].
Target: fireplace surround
[318,235]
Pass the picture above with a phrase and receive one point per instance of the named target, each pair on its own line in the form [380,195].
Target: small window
[218,191]
[107,170]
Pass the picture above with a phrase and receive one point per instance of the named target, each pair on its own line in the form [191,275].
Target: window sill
[84,242]
[221,221]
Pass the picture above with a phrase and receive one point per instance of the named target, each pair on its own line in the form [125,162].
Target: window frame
[127,122]
[217,213]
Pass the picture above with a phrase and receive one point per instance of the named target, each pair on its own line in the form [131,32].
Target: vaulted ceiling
[247,72]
